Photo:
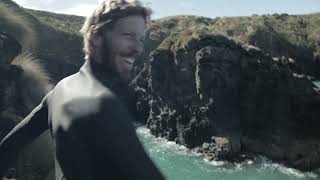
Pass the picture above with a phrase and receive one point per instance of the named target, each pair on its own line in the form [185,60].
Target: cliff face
[207,92]
[200,84]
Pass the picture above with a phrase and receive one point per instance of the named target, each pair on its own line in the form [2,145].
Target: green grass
[295,36]
[69,24]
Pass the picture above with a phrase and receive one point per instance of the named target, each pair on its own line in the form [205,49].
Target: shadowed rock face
[23,84]
[182,105]
[199,87]
[9,48]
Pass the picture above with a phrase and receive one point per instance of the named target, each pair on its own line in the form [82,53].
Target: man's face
[123,43]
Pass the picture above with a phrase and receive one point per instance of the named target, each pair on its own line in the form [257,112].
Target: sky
[207,8]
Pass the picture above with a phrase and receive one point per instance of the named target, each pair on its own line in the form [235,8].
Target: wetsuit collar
[110,79]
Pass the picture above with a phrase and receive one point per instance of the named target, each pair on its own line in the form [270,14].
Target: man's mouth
[129,60]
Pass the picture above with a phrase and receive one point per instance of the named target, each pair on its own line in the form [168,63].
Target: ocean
[317,83]
[176,162]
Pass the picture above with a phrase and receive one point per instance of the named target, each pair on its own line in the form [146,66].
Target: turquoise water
[178,163]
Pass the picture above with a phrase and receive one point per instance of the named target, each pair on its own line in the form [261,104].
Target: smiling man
[89,123]
[117,47]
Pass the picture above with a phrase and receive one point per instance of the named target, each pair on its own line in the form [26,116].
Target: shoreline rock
[199,85]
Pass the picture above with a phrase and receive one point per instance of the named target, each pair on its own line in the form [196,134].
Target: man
[90,125]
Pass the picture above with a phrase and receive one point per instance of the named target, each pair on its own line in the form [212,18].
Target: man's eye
[142,39]
[127,34]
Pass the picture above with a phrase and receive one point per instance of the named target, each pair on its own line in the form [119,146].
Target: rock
[205,146]
[181,112]
[9,48]
[222,148]
[221,141]
[198,149]
[23,84]
[199,86]
[300,154]
[9,75]
[210,157]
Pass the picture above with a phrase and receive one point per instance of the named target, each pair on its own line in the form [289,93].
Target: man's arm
[22,134]
[111,138]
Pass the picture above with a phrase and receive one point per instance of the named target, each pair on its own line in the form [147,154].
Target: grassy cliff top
[70,24]
[294,36]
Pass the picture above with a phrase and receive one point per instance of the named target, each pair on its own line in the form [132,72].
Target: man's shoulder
[75,98]
[80,110]
[79,86]
[88,104]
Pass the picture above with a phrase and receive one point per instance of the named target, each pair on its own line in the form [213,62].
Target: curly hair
[106,14]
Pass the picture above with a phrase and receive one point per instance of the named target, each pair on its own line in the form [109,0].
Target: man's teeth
[129,60]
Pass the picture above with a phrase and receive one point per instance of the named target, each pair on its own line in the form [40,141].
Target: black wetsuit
[91,128]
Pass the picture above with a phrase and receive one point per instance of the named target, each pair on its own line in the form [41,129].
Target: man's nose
[137,48]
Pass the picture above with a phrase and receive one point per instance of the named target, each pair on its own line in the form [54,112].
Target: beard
[109,63]
[112,60]
[106,56]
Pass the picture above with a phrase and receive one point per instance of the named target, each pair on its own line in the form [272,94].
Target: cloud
[186,4]
[58,5]
[79,9]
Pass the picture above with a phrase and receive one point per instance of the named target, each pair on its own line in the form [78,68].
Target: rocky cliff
[227,99]
[227,87]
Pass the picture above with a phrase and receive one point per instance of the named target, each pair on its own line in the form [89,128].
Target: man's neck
[111,80]
[103,70]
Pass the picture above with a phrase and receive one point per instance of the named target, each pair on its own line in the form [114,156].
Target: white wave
[317,83]
[163,144]
[261,163]
[295,172]
[289,171]
[268,164]
[249,162]
[215,163]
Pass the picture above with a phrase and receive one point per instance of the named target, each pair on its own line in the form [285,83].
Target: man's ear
[96,37]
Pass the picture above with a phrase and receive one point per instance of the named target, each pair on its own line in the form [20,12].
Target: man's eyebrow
[127,31]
